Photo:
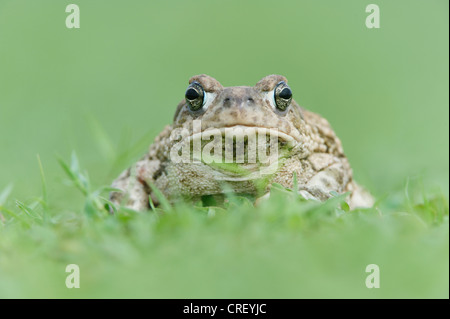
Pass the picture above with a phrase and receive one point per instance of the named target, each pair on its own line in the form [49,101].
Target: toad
[240,139]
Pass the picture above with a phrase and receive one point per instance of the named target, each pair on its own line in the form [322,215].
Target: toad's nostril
[227,102]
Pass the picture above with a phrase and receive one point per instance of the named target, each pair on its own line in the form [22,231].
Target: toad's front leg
[330,179]
[336,178]
[134,184]
[316,182]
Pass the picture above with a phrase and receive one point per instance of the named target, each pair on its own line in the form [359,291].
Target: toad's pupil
[192,94]
[286,94]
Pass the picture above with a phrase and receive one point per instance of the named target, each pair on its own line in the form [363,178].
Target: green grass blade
[165,205]
[28,210]
[5,194]
[73,174]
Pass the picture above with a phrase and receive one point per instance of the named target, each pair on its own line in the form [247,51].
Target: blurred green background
[120,76]
[105,90]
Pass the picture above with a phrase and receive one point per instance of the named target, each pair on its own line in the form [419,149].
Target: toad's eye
[195,96]
[282,96]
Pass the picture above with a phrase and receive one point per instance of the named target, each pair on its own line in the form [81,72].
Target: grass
[286,247]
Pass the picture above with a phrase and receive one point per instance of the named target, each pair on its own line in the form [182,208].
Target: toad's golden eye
[282,96]
[195,96]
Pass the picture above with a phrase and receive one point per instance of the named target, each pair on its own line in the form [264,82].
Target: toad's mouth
[241,152]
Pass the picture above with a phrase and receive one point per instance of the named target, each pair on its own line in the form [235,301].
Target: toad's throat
[240,152]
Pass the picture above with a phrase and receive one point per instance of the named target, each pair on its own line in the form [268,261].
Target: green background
[385,91]
[105,90]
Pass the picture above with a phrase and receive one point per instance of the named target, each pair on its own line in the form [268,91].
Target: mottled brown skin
[317,158]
